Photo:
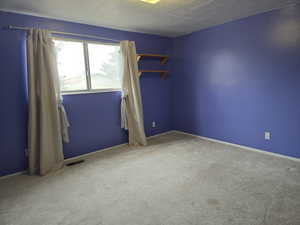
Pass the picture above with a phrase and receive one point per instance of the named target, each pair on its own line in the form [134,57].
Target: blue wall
[234,81]
[95,118]
[231,82]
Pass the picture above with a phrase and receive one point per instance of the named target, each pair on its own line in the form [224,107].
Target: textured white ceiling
[167,18]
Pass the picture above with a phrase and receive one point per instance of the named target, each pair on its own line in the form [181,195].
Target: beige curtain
[131,104]
[48,123]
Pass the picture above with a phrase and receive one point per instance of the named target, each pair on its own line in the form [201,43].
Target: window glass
[71,65]
[104,66]
[84,66]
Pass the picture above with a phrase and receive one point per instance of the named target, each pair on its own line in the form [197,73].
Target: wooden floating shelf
[163,58]
[163,73]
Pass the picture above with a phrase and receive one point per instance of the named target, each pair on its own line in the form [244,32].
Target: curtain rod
[65,33]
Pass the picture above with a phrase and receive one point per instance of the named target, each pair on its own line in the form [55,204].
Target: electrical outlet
[267,135]
[153,124]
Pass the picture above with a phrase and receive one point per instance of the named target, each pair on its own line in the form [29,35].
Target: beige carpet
[176,180]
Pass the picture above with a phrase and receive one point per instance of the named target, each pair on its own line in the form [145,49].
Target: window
[87,66]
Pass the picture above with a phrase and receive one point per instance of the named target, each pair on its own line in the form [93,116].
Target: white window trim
[93,91]
[87,68]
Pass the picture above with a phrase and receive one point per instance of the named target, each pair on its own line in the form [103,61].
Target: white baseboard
[87,155]
[13,174]
[239,146]
[84,156]
[160,134]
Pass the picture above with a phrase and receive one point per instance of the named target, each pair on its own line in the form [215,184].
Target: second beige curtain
[131,106]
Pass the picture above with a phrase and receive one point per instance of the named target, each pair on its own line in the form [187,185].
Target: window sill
[91,91]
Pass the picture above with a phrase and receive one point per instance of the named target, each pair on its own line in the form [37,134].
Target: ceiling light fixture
[151,1]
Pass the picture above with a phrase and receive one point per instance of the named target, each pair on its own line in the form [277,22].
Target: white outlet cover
[267,135]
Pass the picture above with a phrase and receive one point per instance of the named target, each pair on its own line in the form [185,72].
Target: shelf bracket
[164,61]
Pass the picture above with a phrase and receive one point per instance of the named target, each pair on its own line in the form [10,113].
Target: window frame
[89,90]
